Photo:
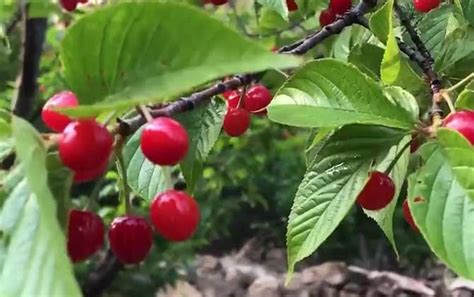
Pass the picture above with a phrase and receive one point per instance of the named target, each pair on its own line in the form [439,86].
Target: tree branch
[33,38]
[423,58]
[129,126]
[101,278]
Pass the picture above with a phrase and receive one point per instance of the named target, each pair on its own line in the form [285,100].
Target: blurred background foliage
[248,183]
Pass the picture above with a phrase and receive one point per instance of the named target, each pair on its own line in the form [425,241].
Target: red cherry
[463,122]
[227,93]
[175,215]
[291,4]
[83,1]
[130,239]
[426,5]
[69,5]
[84,144]
[219,2]
[85,234]
[53,119]
[236,121]
[408,217]
[233,100]
[326,17]
[89,175]
[258,97]
[340,6]
[164,141]
[378,192]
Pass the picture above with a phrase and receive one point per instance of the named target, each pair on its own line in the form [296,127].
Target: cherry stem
[462,82]
[242,95]
[397,157]
[145,113]
[124,191]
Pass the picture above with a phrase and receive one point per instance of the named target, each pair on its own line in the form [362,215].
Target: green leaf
[204,126]
[6,148]
[5,129]
[140,52]
[277,5]
[465,100]
[403,99]
[381,21]
[36,263]
[384,217]
[331,185]
[13,206]
[329,93]
[144,178]
[468,10]
[367,57]
[443,212]
[434,29]
[270,21]
[459,154]
[60,182]
[394,69]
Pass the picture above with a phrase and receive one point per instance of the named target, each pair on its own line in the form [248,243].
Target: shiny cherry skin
[291,4]
[326,17]
[69,5]
[233,100]
[164,141]
[377,193]
[425,6]
[53,119]
[236,121]
[340,6]
[84,144]
[219,2]
[408,217]
[258,97]
[463,122]
[85,234]
[91,174]
[130,239]
[175,215]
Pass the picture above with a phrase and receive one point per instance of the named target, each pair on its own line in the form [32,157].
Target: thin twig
[129,126]
[424,59]
[14,21]
[100,279]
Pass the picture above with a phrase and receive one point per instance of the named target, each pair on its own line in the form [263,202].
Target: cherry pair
[336,7]
[71,5]
[130,237]
[239,107]
[174,214]
[84,145]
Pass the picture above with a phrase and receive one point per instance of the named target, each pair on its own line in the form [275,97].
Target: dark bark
[34,31]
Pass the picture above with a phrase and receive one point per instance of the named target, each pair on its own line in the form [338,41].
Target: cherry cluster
[379,189]
[70,5]
[85,147]
[174,215]
[336,7]
[240,105]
